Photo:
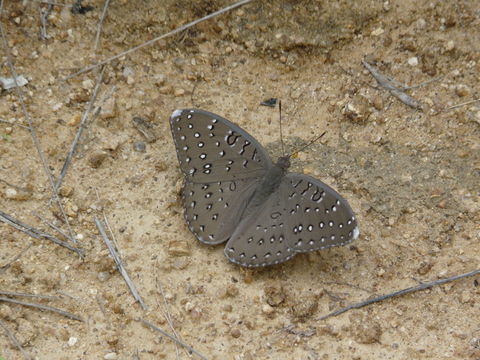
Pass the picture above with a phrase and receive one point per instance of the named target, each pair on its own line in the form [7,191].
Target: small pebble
[267,309]
[159,79]
[368,332]
[103,276]
[96,159]
[179,92]
[18,194]
[165,90]
[413,61]
[108,109]
[87,84]
[235,332]
[377,32]
[274,296]
[462,90]
[305,307]
[110,356]
[450,45]
[75,120]
[139,146]
[179,248]
[72,341]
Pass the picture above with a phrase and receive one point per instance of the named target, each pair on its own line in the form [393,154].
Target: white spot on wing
[176,113]
[356,233]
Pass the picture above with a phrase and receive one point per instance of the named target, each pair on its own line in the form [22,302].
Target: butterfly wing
[318,217]
[303,215]
[211,148]
[261,239]
[211,209]
[222,165]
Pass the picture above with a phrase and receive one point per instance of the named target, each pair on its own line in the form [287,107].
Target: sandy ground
[411,176]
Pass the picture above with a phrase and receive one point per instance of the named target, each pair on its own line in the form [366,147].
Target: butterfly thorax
[269,184]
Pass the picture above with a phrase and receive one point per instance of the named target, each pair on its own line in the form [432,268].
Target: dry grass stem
[37,234]
[119,262]
[100,24]
[153,41]
[173,338]
[42,307]
[32,129]
[83,124]
[394,87]
[409,290]
[14,341]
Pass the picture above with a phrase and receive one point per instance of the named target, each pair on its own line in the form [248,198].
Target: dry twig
[166,314]
[42,307]
[394,87]
[173,338]
[119,262]
[15,258]
[44,14]
[82,126]
[54,227]
[47,297]
[32,129]
[409,290]
[462,104]
[153,41]
[37,234]
[100,23]
[14,341]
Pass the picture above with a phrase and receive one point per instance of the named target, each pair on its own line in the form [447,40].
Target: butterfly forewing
[318,217]
[211,148]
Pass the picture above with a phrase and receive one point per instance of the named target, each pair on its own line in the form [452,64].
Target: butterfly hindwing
[318,217]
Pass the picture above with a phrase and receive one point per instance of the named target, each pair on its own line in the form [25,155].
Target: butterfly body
[234,193]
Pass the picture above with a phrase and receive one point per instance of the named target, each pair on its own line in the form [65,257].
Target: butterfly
[234,193]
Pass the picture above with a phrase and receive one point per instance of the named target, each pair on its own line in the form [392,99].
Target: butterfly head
[283,162]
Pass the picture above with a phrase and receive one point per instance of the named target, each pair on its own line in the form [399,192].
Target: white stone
[413,61]
[72,341]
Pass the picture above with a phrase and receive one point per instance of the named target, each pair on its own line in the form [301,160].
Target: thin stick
[54,227]
[37,234]
[119,263]
[100,24]
[399,293]
[14,341]
[32,129]
[47,297]
[173,338]
[462,104]
[42,307]
[15,258]
[280,121]
[105,219]
[153,41]
[51,3]
[13,124]
[167,315]
[393,86]
[44,13]
[82,126]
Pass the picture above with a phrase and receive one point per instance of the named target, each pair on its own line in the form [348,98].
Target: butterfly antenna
[280,116]
[308,144]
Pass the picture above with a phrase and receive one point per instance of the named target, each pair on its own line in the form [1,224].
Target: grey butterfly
[234,193]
